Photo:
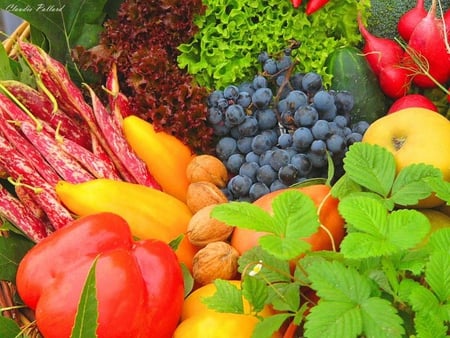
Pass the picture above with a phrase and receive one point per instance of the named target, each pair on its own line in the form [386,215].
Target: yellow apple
[437,220]
[414,135]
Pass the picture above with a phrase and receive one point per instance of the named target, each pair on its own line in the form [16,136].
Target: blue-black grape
[234,114]
[302,138]
[288,174]
[277,185]
[360,127]
[318,147]
[225,147]
[239,185]
[261,143]
[214,97]
[262,97]
[249,169]
[264,158]
[244,144]
[267,118]
[312,83]
[244,99]
[285,140]
[344,101]
[279,158]
[234,162]
[258,190]
[252,157]
[303,164]
[215,115]
[259,81]
[306,116]
[249,127]
[296,99]
[270,66]
[266,174]
[336,143]
[231,92]
[321,130]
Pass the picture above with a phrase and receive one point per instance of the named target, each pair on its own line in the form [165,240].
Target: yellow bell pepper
[150,213]
[166,156]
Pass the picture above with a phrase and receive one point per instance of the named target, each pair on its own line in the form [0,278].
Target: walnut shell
[201,194]
[215,260]
[203,229]
[207,168]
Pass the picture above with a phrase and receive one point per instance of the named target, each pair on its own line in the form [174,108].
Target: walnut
[201,194]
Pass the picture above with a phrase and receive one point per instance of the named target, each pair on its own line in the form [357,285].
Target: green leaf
[244,215]
[297,214]
[364,213]
[440,187]
[334,320]
[256,292]
[337,283]
[6,71]
[86,319]
[379,233]
[187,279]
[273,269]
[285,297]
[437,275]
[371,166]
[9,328]
[440,240]
[344,186]
[227,298]
[266,327]
[12,250]
[410,185]
[286,248]
[380,319]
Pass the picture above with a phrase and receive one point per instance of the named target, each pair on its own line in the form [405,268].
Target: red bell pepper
[139,284]
[314,5]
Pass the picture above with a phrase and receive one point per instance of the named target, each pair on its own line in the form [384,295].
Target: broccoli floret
[384,15]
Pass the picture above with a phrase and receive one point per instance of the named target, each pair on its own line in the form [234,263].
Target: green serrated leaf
[227,298]
[334,320]
[380,319]
[440,240]
[244,215]
[12,250]
[335,282]
[284,248]
[371,166]
[379,233]
[437,275]
[266,327]
[364,213]
[410,185]
[344,186]
[188,280]
[9,328]
[406,228]
[86,319]
[440,187]
[285,297]
[295,215]
[256,292]
[273,269]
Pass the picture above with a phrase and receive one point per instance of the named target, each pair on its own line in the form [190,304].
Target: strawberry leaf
[227,298]
[371,166]
[269,325]
[410,184]
[377,232]
[244,215]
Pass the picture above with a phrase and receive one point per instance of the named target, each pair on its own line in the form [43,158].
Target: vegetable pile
[237,169]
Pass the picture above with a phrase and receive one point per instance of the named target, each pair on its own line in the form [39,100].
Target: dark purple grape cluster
[278,129]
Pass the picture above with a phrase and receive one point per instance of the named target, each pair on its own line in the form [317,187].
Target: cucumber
[351,72]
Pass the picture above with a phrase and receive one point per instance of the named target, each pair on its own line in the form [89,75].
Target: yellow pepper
[166,156]
[150,213]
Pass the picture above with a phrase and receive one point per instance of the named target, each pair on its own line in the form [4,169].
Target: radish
[426,53]
[412,100]
[410,19]
[379,52]
[394,81]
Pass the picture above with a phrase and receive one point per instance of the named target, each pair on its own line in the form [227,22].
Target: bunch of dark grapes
[280,128]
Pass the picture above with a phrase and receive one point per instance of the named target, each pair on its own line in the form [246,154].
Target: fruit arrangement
[163,175]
